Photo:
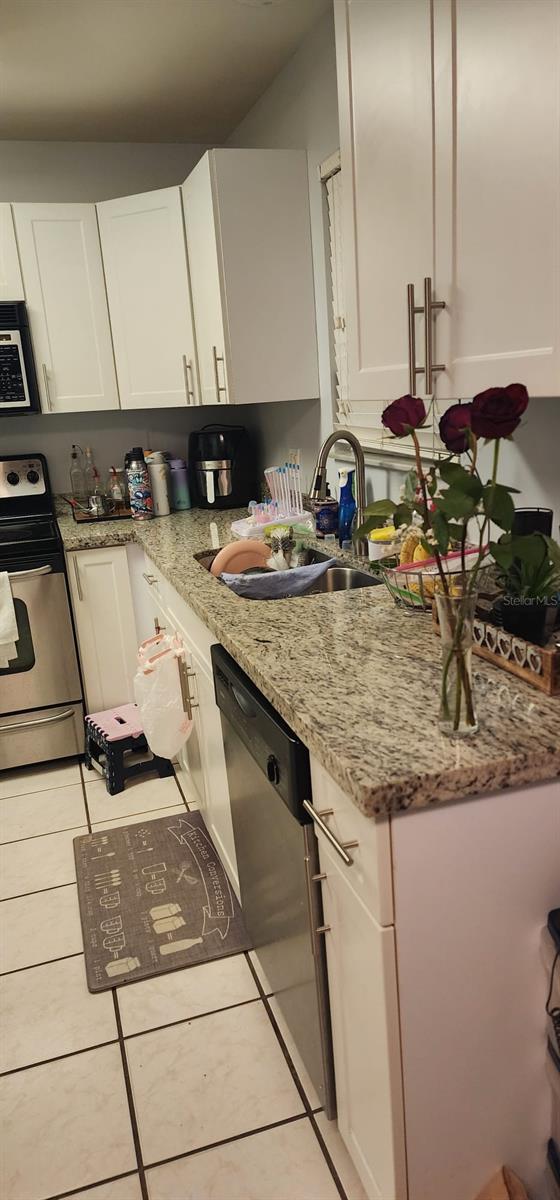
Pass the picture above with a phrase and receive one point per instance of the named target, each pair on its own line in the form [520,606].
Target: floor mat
[153,897]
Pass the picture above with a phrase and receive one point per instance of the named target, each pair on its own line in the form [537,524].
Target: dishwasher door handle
[340,847]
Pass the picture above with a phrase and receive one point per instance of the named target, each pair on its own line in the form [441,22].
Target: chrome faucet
[319,486]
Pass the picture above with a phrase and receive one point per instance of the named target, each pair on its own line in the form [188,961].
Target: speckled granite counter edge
[404,790]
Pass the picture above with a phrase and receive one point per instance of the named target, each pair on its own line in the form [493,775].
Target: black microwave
[18,381]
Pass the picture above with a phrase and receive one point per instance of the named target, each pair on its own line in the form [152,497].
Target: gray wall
[83,171]
[300,111]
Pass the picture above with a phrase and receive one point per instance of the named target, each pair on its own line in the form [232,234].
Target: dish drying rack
[285,504]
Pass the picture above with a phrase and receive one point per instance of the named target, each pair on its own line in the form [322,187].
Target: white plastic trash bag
[159,696]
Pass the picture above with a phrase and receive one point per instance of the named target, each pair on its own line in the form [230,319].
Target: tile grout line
[45,1062]
[39,892]
[130,1099]
[84,794]
[187,1020]
[46,961]
[32,837]
[308,1109]
[236,1137]
[87,1187]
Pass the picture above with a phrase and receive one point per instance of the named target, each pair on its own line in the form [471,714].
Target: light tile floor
[182,1087]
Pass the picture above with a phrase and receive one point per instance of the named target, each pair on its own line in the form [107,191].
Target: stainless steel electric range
[41,710]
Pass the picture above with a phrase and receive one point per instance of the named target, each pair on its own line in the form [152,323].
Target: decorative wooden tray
[537,665]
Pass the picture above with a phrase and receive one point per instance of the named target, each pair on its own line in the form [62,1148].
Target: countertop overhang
[356,678]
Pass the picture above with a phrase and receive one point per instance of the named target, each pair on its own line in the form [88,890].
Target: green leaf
[455,532]
[441,529]
[410,484]
[461,480]
[530,548]
[402,514]
[498,505]
[369,524]
[451,471]
[502,553]
[553,551]
[456,504]
[380,508]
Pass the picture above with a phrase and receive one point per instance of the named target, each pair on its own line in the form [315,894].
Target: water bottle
[138,479]
[158,468]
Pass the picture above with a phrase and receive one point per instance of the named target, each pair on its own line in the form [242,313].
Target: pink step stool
[113,734]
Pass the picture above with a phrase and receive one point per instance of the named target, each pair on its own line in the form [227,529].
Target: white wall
[82,171]
[300,111]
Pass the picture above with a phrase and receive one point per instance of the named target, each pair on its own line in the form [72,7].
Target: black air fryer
[222,467]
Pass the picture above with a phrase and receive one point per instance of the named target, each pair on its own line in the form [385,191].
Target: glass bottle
[77,479]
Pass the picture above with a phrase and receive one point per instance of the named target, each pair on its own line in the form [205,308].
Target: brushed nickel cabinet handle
[219,387]
[47,386]
[430,306]
[159,628]
[63,716]
[323,929]
[413,309]
[78,580]
[46,570]
[340,847]
[184,676]
[150,579]
[189,380]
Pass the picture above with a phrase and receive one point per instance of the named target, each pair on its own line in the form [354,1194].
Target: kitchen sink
[336,579]
[342,579]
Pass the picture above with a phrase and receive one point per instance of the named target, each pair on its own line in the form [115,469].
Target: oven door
[45,671]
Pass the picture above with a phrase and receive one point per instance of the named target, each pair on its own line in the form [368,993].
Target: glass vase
[457,715]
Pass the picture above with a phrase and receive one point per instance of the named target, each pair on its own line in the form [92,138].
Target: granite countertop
[356,678]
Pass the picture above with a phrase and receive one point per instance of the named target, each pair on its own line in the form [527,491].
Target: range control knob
[32,476]
[273,769]
[13,478]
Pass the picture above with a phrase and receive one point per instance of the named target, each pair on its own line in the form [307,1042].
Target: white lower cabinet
[105,625]
[201,763]
[364,1013]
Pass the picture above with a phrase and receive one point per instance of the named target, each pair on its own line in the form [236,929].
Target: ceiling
[141,70]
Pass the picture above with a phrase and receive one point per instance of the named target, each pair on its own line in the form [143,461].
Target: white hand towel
[8,623]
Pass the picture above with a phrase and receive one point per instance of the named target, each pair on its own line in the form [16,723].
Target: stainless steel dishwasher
[269,778]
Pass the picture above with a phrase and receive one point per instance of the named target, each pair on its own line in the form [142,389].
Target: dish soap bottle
[346,506]
[77,480]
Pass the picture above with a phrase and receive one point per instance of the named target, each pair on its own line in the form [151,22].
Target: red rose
[498,411]
[454,428]
[403,415]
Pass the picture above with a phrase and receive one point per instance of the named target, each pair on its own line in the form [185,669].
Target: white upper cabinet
[144,253]
[450,148]
[249,248]
[385,105]
[498,194]
[11,282]
[65,291]
[202,237]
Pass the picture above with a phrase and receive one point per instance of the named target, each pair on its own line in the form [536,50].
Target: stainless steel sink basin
[342,579]
[336,578]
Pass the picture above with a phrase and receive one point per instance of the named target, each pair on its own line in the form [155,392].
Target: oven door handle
[46,570]
[63,716]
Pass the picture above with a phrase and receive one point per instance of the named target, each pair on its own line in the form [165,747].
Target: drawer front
[370,874]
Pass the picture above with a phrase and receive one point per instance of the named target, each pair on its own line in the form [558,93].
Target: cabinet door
[218,807]
[144,254]
[104,617]
[200,225]
[67,305]
[11,282]
[384,67]
[498,193]
[365,1026]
